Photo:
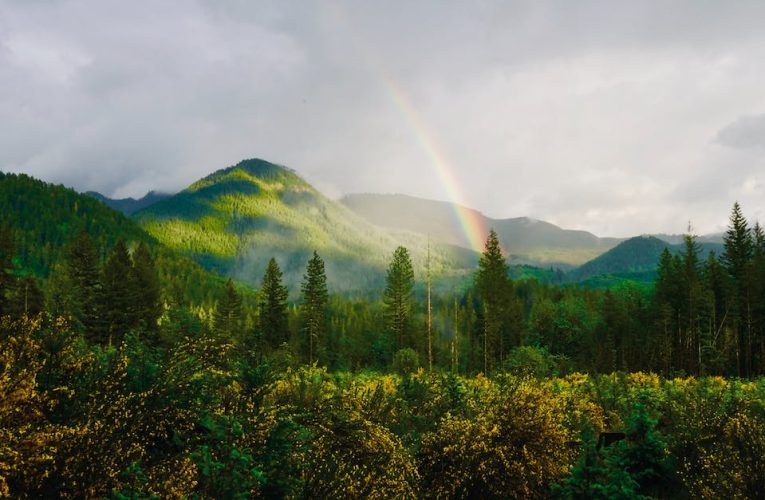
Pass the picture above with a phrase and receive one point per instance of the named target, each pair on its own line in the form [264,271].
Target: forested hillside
[44,220]
[127,371]
[236,219]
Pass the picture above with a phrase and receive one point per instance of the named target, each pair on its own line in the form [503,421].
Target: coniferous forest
[128,371]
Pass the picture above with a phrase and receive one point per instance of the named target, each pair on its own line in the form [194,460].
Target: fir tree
[146,282]
[493,286]
[228,313]
[119,295]
[398,295]
[83,275]
[314,305]
[738,253]
[7,251]
[273,307]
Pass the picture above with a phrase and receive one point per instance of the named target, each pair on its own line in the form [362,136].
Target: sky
[611,116]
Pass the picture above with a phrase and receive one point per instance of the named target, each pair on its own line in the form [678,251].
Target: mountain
[528,241]
[639,255]
[44,218]
[129,206]
[236,219]
[635,259]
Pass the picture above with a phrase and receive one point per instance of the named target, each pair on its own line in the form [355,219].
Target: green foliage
[314,308]
[530,361]
[273,307]
[405,362]
[398,297]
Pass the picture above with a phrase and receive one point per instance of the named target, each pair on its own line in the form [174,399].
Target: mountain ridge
[236,218]
[527,240]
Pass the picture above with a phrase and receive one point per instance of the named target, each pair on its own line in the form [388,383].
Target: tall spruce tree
[227,319]
[82,269]
[7,251]
[398,296]
[736,258]
[119,295]
[273,307]
[146,281]
[493,288]
[314,306]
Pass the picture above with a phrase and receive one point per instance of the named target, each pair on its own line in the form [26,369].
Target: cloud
[591,114]
[745,132]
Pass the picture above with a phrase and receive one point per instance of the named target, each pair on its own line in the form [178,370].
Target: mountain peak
[250,176]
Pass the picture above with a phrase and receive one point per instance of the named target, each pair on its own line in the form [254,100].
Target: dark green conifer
[83,275]
[398,296]
[228,313]
[7,252]
[147,288]
[273,307]
[314,305]
[119,296]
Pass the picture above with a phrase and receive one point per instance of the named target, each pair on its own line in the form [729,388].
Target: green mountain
[129,206]
[45,218]
[528,241]
[635,259]
[236,219]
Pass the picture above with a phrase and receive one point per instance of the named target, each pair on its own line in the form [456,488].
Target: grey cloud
[593,114]
[745,132]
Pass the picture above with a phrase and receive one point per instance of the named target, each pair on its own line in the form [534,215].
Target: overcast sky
[615,117]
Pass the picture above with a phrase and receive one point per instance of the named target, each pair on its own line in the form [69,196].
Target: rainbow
[470,220]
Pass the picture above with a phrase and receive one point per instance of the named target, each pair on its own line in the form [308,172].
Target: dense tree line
[113,382]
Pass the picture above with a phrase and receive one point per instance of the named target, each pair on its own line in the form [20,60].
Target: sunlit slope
[45,218]
[527,240]
[237,218]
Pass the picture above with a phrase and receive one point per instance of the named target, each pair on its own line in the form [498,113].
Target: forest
[127,371]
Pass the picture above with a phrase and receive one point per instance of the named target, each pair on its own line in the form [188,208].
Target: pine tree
[738,253]
[82,271]
[227,318]
[7,251]
[146,282]
[119,295]
[314,305]
[273,307]
[398,296]
[493,288]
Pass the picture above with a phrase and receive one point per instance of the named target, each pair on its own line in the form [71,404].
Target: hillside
[528,241]
[129,206]
[45,218]
[635,259]
[237,218]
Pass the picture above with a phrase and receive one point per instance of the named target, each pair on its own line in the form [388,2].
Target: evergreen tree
[398,296]
[146,282]
[7,251]
[227,319]
[119,296]
[314,305]
[493,288]
[273,307]
[738,253]
[83,274]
